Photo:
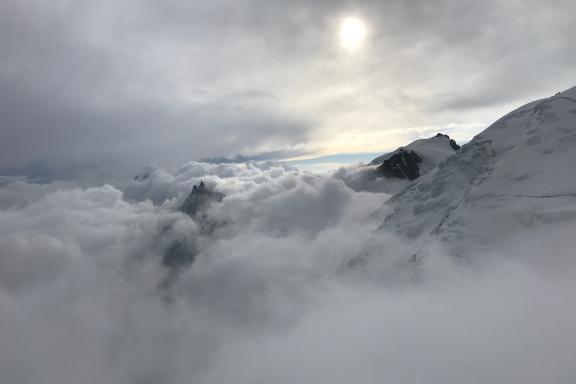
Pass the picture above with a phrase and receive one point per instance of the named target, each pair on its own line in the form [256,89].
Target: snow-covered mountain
[393,171]
[516,178]
[432,151]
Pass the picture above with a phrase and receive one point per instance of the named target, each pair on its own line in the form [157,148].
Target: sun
[352,34]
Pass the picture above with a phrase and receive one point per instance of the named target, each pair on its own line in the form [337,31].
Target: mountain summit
[517,176]
[392,172]
[417,158]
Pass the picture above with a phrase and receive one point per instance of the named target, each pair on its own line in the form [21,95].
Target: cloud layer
[293,285]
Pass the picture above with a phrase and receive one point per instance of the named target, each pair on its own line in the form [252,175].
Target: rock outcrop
[182,254]
[394,171]
[199,199]
[453,143]
[402,165]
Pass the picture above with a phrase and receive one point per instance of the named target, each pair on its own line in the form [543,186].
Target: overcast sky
[90,86]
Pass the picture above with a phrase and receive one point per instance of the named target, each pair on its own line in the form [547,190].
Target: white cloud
[295,285]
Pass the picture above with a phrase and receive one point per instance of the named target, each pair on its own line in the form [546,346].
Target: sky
[105,87]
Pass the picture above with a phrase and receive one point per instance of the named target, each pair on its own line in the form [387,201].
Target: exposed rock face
[392,172]
[402,165]
[199,199]
[181,254]
[453,143]
[432,150]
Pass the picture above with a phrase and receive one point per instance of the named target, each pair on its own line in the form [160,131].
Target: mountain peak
[517,174]
[433,149]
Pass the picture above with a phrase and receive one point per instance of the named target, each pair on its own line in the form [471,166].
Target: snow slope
[518,177]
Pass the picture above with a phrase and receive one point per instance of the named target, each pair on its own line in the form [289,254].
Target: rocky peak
[453,143]
[402,165]
[181,254]
[199,198]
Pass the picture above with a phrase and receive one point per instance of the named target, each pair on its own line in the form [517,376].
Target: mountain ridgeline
[394,171]
[416,158]
[515,180]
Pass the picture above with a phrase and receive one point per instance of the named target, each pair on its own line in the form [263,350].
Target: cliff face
[182,254]
[392,172]
[417,158]
[199,199]
[402,165]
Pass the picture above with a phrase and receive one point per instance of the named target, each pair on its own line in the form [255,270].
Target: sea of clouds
[293,284]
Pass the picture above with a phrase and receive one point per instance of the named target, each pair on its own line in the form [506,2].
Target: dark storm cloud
[86,84]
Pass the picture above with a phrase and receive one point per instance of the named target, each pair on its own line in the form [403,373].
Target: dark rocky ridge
[199,199]
[181,254]
[411,161]
[453,143]
[402,165]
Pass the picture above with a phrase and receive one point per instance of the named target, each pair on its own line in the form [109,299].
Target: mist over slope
[466,276]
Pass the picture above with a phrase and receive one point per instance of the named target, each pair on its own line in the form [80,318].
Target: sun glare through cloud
[352,34]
